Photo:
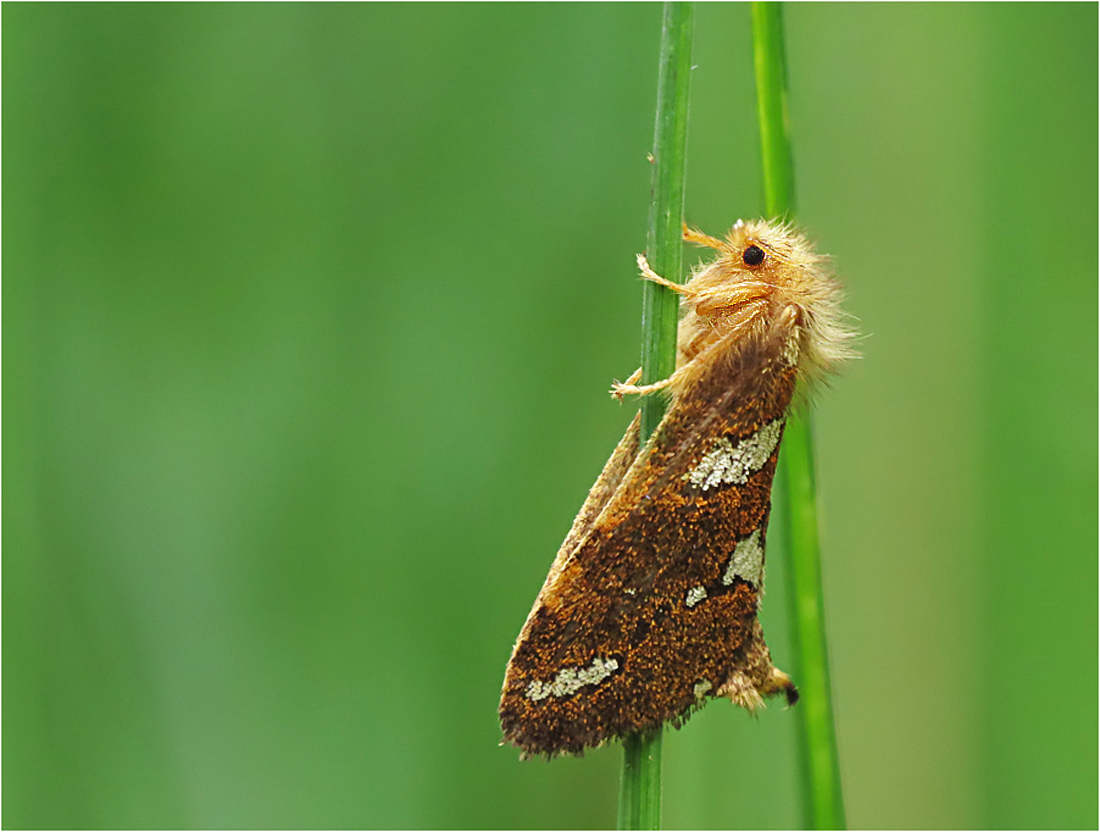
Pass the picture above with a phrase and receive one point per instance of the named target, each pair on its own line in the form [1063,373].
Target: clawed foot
[621,388]
[626,388]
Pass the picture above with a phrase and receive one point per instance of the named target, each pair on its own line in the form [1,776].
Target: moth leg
[653,277]
[628,388]
[692,235]
[723,298]
[740,690]
[622,388]
[634,377]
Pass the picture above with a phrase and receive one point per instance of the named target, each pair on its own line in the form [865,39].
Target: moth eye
[753,256]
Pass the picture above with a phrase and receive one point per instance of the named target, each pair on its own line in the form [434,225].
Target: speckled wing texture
[651,604]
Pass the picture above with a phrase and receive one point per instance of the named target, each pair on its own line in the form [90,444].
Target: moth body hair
[788,302]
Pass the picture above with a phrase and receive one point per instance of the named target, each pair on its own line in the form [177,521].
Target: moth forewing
[622,459]
[651,604]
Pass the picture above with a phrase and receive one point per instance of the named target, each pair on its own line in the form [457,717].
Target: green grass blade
[664,247]
[640,788]
[823,803]
[819,763]
[770,64]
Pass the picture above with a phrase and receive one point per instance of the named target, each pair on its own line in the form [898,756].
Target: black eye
[753,256]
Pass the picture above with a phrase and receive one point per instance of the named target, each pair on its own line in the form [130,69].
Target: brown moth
[650,607]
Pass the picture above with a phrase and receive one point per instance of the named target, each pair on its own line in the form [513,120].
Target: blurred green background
[309,317]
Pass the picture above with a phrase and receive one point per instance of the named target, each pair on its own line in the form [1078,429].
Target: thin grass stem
[819,762]
[640,787]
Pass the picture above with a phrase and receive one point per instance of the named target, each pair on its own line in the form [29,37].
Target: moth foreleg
[634,378]
[629,388]
[653,277]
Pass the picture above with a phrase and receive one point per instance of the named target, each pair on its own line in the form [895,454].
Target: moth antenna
[693,235]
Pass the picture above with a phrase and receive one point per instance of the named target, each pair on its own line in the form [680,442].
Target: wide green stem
[819,762]
[640,789]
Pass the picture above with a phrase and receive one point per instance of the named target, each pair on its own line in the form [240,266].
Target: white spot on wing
[701,688]
[695,595]
[572,679]
[734,464]
[747,562]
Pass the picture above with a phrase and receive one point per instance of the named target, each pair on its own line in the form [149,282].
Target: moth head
[775,254]
[769,280]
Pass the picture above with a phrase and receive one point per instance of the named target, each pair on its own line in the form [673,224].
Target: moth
[650,607]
